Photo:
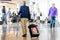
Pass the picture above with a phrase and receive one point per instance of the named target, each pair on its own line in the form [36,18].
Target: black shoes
[24,35]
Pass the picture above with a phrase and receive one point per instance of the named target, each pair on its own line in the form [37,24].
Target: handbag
[48,20]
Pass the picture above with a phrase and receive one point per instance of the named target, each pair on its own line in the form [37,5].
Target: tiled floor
[43,29]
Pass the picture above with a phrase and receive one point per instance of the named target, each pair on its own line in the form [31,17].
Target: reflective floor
[13,34]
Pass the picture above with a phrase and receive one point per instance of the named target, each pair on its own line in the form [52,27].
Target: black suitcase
[14,20]
[1,22]
[33,30]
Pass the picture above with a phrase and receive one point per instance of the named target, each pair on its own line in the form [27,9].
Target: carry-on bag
[33,30]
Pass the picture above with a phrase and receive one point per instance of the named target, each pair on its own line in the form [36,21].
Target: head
[53,5]
[9,9]
[24,2]
[3,6]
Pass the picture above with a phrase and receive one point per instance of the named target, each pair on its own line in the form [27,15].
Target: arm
[56,12]
[49,12]
[29,13]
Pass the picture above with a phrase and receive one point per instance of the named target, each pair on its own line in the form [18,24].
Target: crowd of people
[25,16]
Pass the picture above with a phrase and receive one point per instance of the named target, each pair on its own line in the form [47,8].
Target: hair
[24,2]
[3,6]
[53,3]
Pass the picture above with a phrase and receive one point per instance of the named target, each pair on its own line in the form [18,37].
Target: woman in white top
[8,15]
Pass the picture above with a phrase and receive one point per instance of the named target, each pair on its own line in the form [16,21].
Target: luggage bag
[33,30]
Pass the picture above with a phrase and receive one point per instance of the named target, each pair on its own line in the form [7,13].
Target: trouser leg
[23,24]
[5,19]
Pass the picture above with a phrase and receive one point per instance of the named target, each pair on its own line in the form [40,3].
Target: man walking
[25,16]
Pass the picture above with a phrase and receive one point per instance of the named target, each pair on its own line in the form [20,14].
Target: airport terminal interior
[13,31]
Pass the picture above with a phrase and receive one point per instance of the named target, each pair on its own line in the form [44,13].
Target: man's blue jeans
[52,22]
[4,18]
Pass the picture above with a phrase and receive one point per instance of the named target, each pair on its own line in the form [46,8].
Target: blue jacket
[4,11]
[24,12]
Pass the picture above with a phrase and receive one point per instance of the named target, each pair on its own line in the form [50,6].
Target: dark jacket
[24,12]
[4,11]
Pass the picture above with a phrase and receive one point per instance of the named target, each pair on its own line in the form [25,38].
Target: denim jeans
[34,17]
[52,22]
[4,18]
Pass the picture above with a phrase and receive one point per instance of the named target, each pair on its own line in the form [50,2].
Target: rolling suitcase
[33,30]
